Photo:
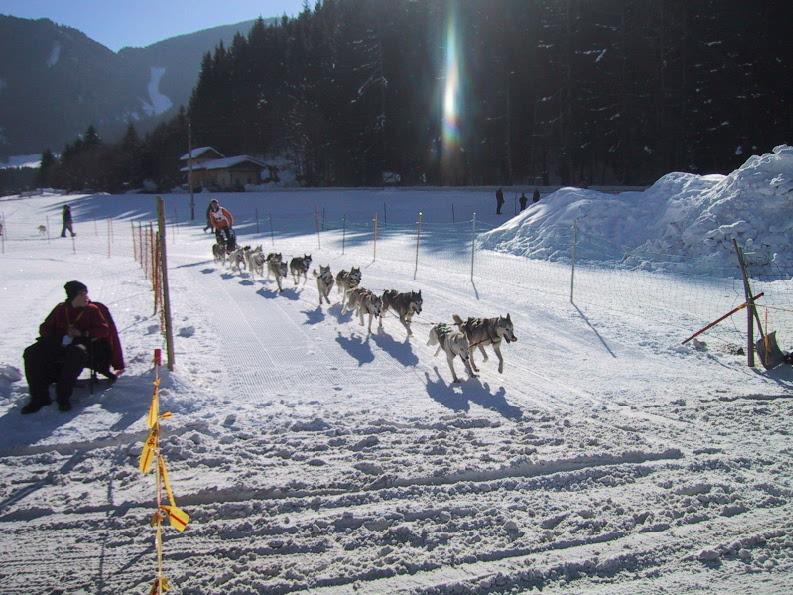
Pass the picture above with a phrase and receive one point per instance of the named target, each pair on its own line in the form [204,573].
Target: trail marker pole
[257,220]
[418,240]
[343,231]
[165,289]
[473,245]
[108,238]
[572,258]
[272,237]
[48,229]
[316,223]
[374,234]
[452,212]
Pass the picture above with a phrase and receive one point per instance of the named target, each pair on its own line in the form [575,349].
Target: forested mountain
[601,91]
[55,82]
[471,92]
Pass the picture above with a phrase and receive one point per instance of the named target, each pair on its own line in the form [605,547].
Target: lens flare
[451,92]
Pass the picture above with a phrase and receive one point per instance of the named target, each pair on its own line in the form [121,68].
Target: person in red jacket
[222,222]
[61,351]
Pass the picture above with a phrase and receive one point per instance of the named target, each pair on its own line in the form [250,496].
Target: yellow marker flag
[166,481]
[147,455]
[177,517]
[154,408]
[161,585]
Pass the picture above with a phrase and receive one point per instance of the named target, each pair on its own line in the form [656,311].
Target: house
[211,169]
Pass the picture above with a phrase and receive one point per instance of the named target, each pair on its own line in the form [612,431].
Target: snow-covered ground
[606,458]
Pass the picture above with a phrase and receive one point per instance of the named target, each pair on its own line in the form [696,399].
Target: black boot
[35,405]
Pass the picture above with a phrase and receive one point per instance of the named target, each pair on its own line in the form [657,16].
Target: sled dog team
[460,342]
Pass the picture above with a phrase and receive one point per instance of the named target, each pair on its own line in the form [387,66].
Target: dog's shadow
[458,397]
[246,282]
[357,347]
[335,310]
[227,276]
[291,293]
[314,316]
[268,293]
[400,351]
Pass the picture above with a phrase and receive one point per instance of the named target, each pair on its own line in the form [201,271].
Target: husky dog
[272,256]
[42,230]
[404,304]
[487,331]
[362,300]
[238,258]
[278,269]
[250,256]
[257,262]
[454,344]
[219,253]
[299,267]
[345,282]
[324,282]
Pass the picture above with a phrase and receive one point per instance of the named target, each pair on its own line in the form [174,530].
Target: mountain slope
[55,81]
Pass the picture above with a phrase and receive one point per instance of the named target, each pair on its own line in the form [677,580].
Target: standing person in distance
[499,201]
[67,221]
[523,200]
[536,196]
[222,222]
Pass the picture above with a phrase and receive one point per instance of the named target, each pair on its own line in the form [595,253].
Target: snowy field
[311,456]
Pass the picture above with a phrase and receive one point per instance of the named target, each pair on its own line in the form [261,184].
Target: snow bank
[683,222]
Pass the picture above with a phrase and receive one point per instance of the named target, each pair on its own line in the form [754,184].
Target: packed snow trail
[311,457]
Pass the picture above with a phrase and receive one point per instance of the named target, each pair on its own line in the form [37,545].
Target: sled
[768,350]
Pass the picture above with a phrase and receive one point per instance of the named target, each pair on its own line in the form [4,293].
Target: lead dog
[299,267]
[346,282]
[258,261]
[324,282]
[362,300]
[487,331]
[404,304]
[454,344]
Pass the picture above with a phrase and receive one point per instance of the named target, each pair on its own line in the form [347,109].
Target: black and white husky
[487,331]
[324,282]
[454,344]
[404,304]
[219,253]
[364,301]
[299,267]
[346,282]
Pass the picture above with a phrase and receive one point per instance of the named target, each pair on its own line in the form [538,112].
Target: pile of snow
[682,222]
[14,161]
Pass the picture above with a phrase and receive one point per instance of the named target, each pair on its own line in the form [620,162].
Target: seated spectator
[65,346]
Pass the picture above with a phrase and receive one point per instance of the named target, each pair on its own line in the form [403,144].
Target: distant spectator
[523,200]
[499,201]
[67,221]
[536,196]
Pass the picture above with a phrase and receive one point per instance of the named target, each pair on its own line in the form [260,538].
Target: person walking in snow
[67,221]
[222,222]
[499,201]
[523,200]
[62,349]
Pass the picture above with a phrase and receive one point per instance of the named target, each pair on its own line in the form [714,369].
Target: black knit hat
[73,289]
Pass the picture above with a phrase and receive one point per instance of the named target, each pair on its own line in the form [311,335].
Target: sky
[120,23]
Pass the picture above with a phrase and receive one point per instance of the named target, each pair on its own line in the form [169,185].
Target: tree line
[550,91]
